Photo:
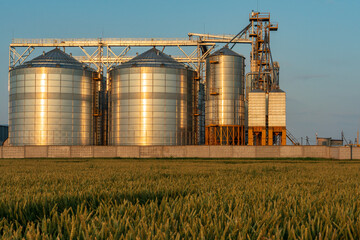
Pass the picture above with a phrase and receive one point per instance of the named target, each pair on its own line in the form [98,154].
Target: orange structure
[276,136]
[256,136]
[225,135]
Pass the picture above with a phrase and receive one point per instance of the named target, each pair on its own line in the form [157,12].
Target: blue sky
[316,45]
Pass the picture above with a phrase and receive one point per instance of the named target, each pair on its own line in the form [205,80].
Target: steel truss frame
[225,135]
[263,73]
[105,55]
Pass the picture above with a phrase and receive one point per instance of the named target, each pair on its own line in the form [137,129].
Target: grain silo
[224,103]
[50,101]
[257,117]
[152,101]
[277,117]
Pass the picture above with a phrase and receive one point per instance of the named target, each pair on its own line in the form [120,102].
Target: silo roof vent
[153,58]
[226,51]
[53,58]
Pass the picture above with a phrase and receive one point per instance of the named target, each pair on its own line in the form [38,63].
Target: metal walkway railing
[292,138]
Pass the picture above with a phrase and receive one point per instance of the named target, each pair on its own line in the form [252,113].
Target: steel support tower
[264,75]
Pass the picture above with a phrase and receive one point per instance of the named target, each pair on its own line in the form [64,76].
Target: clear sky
[317,44]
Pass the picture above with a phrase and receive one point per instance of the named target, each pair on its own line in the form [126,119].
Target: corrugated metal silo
[224,106]
[152,101]
[50,101]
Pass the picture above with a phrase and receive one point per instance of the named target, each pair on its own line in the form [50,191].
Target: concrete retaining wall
[128,151]
[13,152]
[81,151]
[180,152]
[59,151]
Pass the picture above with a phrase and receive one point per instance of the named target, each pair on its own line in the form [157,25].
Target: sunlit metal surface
[224,103]
[277,108]
[257,117]
[50,102]
[257,108]
[225,88]
[152,102]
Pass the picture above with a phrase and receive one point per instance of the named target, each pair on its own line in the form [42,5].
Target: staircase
[292,138]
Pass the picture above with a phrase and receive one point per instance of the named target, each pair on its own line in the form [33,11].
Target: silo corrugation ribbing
[277,108]
[257,109]
[152,101]
[225,88]
[50,101]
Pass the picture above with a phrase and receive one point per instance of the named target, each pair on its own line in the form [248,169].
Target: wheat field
[179,199]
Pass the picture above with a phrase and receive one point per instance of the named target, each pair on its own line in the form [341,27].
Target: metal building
[152,101]
[224,104]
[329,142]
[50,101]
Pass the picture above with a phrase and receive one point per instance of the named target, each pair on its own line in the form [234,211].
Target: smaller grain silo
[277,117]
[257,118]
[224,103]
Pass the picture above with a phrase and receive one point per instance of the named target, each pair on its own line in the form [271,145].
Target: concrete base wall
[291,151]
[174,152]
[197,151]
[59,152]
[179,152]
[81,151]
[36,152]
[104,152]
[244,151]
[316,151]
[355,153]
[267,151]
[128,151]
[13,152]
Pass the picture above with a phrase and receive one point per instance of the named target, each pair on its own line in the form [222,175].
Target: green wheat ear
[182,199]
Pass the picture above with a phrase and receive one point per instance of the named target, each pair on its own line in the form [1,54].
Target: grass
[179,198]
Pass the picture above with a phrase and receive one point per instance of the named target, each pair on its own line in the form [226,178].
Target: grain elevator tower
[266,102]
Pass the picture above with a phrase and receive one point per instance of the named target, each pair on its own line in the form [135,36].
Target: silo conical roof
[53,58]
[225,51]
[276,90]
[257,90]
[152,58]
